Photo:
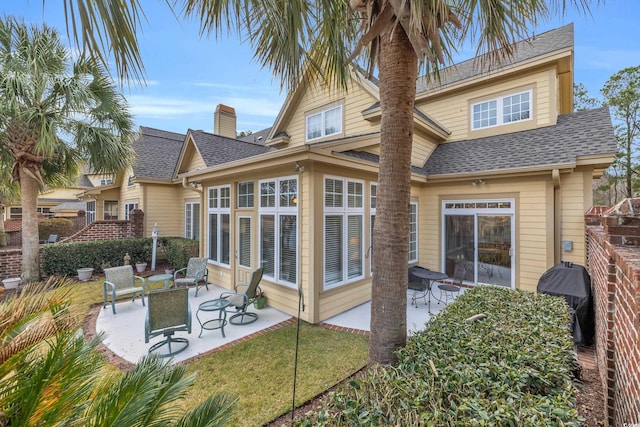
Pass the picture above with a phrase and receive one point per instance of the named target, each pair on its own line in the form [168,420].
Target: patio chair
[449,291]
[195,272]
[417,285]
[243,296]
[52,239]
[121,281]
[168,313]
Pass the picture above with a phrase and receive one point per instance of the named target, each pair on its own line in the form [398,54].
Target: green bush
[60,226]
[513,368]
[65,259]
[178,250]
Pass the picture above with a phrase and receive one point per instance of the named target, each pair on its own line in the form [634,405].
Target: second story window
[501,110]
[324,123]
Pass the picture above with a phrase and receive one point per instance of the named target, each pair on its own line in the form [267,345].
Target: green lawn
[259,372]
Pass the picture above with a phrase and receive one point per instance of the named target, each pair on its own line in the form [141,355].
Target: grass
[259,372]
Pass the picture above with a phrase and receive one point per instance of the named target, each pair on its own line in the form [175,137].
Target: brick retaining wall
[11,259]
[613,261]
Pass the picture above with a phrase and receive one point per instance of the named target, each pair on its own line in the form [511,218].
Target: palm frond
[40,311]
[99,27]
[215,411]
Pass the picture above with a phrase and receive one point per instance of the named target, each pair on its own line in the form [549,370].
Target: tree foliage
[303,41]
[52,376]
[622,95]
[55,114]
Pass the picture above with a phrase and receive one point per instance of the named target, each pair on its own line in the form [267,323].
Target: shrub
[65,259]
[515,367]
[63,227]
[178,250]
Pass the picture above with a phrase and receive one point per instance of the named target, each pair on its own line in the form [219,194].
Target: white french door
[480,234]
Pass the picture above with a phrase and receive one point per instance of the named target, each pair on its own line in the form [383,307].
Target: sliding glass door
[480,234]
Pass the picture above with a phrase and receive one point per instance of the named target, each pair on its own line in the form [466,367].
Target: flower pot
[168,271]
[11,283]
[140,267]
[85,273]
[260,302]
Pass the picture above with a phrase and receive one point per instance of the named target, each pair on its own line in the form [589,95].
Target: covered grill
[572,281]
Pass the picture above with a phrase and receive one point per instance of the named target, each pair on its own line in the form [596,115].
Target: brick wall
[11,259]
[613,261]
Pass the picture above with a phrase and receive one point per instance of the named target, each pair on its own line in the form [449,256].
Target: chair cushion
[236,300]
[125,291]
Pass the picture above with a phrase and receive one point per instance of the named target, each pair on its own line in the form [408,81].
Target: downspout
[557,210]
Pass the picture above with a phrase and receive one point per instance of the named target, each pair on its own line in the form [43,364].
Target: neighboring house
[502,177]
[152,186]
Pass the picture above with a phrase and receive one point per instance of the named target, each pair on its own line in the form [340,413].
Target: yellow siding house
[502,173]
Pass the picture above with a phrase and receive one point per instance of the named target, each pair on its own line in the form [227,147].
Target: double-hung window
[278,212]
[219,212]
[502,110]
[413,226]
[324,123]
[413,232]
[192,220]
[128,207]
[343,231]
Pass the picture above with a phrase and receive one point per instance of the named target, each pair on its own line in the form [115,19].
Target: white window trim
[414,260]
[475,211]
[218,211]
[126,210]
[323,123]
[241,217]
[190,234]
[238,195]
[499,110]
[345,212]
[278,211]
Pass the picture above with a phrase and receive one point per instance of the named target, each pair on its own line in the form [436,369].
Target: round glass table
[161,278]
[220,305]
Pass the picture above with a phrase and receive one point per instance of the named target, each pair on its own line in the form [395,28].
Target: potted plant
[85,273]
[11,282]
[260,300]
[141,266]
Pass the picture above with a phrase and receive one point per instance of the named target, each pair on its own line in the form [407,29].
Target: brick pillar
[136,217]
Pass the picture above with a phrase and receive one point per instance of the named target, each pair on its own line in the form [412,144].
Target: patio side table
[161,278]
[220,305]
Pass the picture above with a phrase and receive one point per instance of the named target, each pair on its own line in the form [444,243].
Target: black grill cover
[572,281]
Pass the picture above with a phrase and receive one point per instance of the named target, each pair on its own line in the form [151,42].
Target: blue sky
[187,76]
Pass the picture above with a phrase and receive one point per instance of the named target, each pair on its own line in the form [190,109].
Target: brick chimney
[224,121]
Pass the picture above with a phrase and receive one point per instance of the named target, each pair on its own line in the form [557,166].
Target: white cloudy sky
[187,76]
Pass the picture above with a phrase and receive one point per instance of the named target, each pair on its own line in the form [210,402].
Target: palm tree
[306,40]
[51,376]
[54,114]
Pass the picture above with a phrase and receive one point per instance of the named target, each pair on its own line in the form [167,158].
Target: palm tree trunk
[398,72]
[30,238]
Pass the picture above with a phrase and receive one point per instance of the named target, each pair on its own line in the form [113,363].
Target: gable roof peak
[524,50]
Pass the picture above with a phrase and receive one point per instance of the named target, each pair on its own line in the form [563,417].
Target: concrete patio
[123,333]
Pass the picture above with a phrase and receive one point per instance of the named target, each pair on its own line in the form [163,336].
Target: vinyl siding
[532,222]
[315,98]
[454,111]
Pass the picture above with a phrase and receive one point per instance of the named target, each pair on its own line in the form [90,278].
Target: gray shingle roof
[584,133]
[419,113]
[538,45]
[580,134]
[259,137]
[216,149]
[158,152]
